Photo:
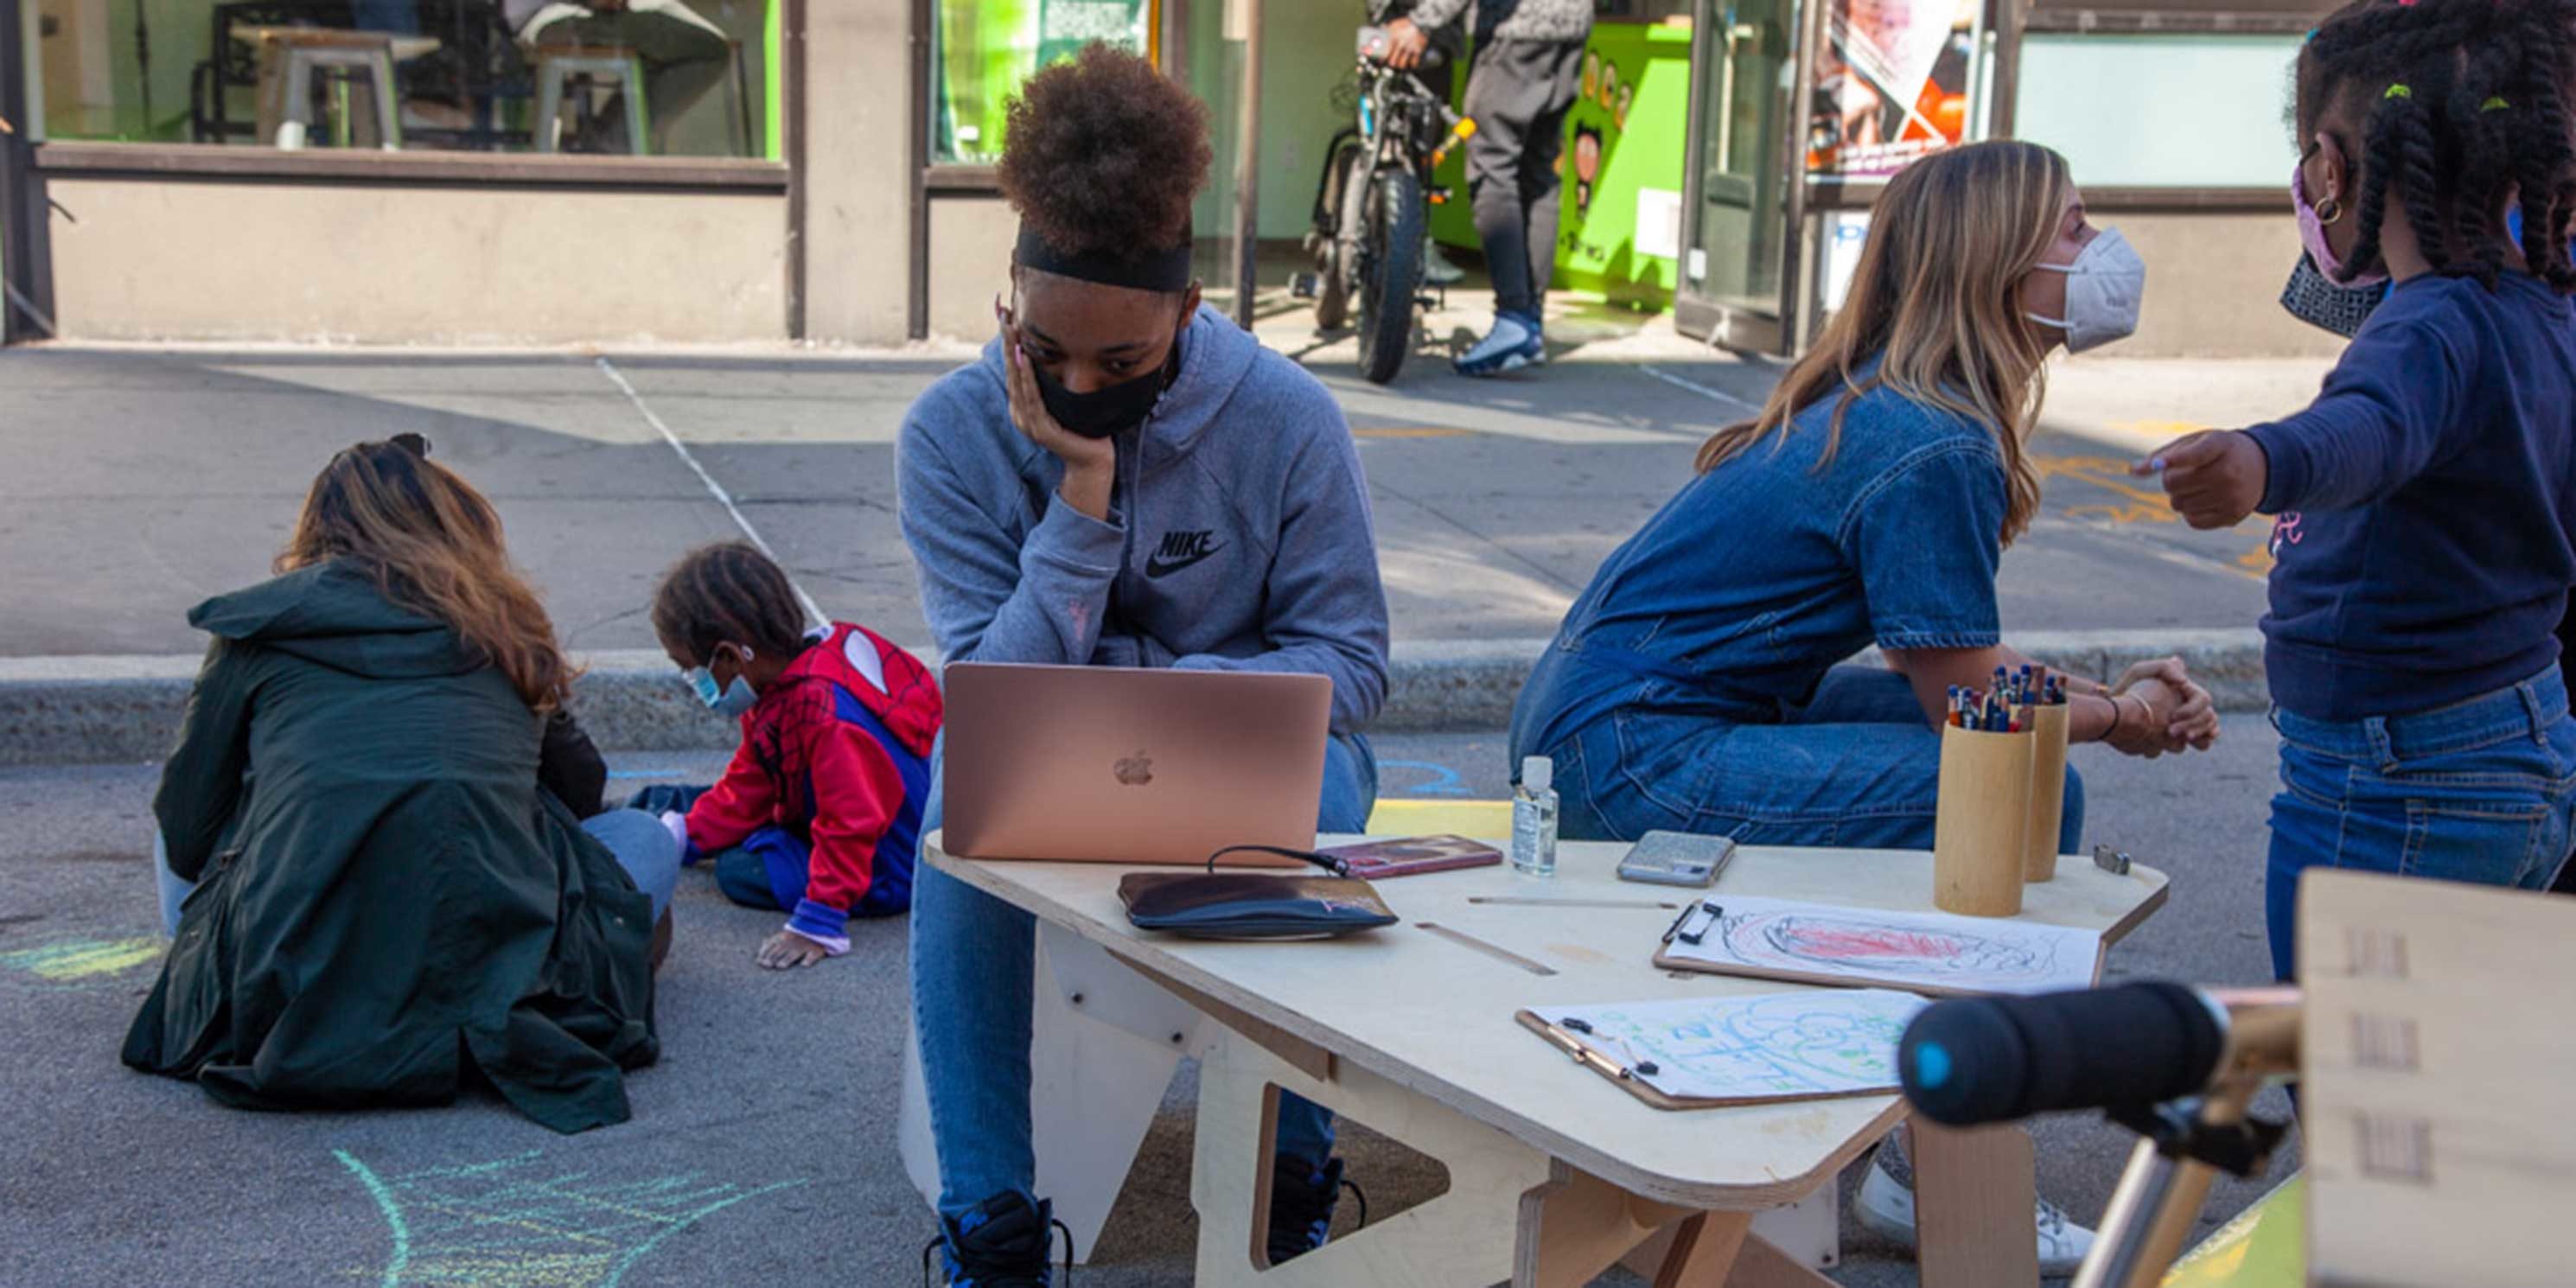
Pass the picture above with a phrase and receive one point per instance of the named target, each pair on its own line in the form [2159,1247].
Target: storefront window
[1892,83]
[655,77]
[2184,111]
[986,48]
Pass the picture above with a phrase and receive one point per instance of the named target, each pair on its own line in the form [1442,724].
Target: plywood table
[1554,1174]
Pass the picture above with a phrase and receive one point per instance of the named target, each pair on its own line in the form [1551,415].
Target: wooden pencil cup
[2047,726]
[1984,814]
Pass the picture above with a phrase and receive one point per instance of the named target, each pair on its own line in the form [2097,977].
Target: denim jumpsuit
[1694,686]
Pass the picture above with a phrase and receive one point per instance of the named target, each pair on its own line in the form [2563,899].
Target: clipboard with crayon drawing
[1930,953]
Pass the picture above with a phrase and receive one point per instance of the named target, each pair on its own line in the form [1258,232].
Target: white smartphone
[1677,858]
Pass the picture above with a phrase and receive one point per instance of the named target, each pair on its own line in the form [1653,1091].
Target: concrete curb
[89,710]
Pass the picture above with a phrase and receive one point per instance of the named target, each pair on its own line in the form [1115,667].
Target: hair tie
[2495,103]
[2399,90]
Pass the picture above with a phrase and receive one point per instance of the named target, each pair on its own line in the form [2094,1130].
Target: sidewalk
[152,479]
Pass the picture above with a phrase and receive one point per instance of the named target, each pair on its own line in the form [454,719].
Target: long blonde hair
[1936,298]
[432,544]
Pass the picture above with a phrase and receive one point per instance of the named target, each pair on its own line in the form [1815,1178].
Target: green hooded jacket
[386,898]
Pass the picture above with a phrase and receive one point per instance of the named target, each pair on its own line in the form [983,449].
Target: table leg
[1464,1238]
[1973,1206]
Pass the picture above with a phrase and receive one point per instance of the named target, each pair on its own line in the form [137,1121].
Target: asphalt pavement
[150,480]
[762,1148]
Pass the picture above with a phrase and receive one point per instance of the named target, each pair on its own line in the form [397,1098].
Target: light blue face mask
[731,702]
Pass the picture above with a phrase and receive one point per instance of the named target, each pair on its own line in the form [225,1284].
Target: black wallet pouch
[1251,905]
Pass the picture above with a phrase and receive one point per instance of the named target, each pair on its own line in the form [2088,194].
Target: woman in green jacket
[384,896]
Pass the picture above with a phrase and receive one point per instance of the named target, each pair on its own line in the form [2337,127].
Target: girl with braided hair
[2425,501]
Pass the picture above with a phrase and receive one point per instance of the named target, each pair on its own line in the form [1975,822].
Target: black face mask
[2319,301]
[1109,409]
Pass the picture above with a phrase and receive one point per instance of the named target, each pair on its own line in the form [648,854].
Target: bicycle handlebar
[1973,1061]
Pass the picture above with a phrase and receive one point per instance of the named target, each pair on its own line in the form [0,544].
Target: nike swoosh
[1156,567]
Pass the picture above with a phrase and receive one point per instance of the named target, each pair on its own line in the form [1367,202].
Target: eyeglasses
[412,443]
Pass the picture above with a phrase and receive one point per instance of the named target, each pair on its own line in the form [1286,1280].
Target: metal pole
[26,270]
[1247,195]
[791,116]
[1793,165]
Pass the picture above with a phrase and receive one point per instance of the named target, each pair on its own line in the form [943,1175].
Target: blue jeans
[642,845]
[973,984]
[2480,791]
[1858,766]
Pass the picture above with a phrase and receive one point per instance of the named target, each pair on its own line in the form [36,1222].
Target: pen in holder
[2047,725]
[1984,814]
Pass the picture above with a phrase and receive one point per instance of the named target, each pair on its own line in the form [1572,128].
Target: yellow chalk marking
[81,959]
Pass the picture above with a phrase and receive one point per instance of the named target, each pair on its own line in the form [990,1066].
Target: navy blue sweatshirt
[2422,550]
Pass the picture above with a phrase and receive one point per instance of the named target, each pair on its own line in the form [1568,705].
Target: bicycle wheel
[1337,260]
[1394,275]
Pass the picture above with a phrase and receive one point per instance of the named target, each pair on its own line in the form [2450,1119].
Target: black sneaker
[1002,1243]
[1302,1200]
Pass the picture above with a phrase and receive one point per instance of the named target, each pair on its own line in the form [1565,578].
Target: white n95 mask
[2103,288]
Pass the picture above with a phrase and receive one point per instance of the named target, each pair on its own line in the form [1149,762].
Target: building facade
[821,170]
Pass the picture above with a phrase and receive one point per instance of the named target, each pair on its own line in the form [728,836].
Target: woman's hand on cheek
[788,950]
[1090,464]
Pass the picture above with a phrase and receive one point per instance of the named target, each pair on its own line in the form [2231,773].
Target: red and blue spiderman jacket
[836,754]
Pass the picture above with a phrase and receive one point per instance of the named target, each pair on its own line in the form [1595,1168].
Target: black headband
[1162,270]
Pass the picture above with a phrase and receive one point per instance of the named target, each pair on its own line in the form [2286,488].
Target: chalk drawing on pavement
[1438,779]
[521,1222]
[71,964]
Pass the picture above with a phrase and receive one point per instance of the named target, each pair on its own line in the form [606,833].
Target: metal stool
[564,67]
[291,58]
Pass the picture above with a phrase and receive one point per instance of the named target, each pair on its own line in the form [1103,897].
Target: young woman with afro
[1123,479]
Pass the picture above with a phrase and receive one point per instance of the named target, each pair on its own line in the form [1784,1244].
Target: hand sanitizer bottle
[1534,818]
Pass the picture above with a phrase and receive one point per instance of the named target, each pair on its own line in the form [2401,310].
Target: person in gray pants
[1521,81]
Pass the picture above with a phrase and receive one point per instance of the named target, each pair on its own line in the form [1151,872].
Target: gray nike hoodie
[1238,536]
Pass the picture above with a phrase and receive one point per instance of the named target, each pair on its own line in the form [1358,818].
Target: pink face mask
[2312,234]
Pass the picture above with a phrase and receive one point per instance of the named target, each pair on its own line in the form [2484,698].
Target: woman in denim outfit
[1695,687]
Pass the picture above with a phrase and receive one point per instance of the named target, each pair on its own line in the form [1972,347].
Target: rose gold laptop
[1125,765]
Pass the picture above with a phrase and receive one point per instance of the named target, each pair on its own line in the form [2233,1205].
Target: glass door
[1736,208]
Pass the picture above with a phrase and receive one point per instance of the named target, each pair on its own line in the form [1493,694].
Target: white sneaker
[1887,1210]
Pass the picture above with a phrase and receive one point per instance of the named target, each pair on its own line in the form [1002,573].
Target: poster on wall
[1892,79]
[987,48]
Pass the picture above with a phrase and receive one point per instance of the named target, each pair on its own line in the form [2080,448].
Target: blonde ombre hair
[431,544]
[1936,298]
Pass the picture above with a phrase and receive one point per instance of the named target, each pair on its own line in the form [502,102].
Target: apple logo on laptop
[1136,770]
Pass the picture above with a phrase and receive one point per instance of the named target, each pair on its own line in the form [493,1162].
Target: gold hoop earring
[2329,212]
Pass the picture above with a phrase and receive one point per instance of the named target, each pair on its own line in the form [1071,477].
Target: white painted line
[1705,391]
[813,611]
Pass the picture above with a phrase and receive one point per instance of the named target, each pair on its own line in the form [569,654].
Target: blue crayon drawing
[523,1223]
[1440,779]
